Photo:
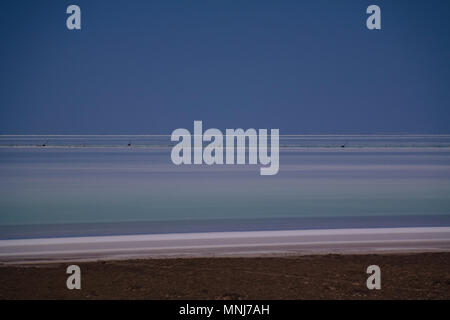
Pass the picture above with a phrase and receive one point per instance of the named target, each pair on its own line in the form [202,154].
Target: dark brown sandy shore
[403,276]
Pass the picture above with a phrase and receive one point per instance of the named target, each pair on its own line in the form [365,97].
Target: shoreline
[227,244]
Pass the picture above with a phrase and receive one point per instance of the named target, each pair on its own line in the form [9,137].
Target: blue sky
[149,67]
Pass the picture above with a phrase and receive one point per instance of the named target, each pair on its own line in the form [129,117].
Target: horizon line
[281,135]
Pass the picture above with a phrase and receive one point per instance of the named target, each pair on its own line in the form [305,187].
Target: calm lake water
[95,185]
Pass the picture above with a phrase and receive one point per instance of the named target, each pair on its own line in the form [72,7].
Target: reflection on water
[381,179]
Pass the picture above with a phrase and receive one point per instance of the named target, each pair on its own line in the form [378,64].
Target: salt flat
[252,243]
